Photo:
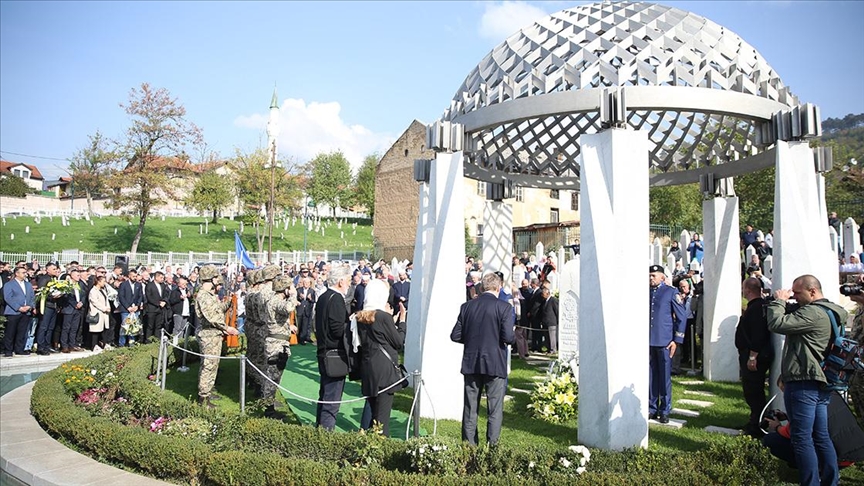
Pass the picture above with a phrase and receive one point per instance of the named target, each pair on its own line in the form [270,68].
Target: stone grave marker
[568,319]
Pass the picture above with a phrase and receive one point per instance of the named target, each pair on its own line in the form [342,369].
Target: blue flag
[242,254]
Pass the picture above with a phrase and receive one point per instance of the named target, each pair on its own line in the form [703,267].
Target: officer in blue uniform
[668,323]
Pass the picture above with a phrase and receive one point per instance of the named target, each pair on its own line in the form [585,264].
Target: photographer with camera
[808,332]
[846,436]
[856,294]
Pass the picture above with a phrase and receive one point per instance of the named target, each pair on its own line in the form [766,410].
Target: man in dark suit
[156,300]
[330,325]
[485,327]
[72,310]
[306,303]
[402,289]
[549,319]
[129,297]
[45,329]
[20,300]
[180,305]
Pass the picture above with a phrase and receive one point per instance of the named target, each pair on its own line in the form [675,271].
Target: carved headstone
[568,319]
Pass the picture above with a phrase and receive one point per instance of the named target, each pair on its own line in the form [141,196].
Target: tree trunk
[89,203]
[259,237]
[215,216]
[141,221]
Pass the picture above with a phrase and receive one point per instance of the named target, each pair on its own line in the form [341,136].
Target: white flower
[583,461]
[576,449]
[580,470]
[531,465]
[93,372]
[422,450]
[564,462]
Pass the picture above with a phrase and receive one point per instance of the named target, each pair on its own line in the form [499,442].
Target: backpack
[843,357]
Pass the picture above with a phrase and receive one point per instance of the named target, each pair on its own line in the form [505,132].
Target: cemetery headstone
[657,253]
[568,319]
[27,230]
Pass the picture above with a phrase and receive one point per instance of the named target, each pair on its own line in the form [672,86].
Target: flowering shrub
[555,400]
[76,379]
[159,424]
[580,458]
[430,455]
[192,427]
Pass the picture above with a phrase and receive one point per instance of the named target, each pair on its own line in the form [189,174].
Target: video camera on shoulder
[850,289]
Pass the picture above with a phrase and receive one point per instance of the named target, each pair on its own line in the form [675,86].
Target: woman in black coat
[381,339]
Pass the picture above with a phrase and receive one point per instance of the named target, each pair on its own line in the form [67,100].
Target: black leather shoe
[664,419]
[653,416]
[43,353]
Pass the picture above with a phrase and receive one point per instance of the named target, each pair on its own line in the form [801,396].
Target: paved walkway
[28,454]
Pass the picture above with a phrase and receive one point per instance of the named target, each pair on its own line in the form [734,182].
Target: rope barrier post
[416,417]
[242,384]
[693,348]
[159,362]
[183,368]
[164,359]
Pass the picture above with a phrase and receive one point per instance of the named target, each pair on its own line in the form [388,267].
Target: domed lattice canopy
[700,91]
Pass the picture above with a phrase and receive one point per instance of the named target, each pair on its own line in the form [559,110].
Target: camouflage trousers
[210,342]
[277,354]
[251,329]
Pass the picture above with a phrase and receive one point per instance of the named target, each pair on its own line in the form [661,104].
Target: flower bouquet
[131,325]
[556,399]
[54,289]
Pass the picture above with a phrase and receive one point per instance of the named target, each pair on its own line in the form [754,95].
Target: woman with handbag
[98,314]
[381,339]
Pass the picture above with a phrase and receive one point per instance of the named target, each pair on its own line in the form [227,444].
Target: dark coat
[305,305]
[549,313]
[485,327]
[330,321]
[70,302]
[175,300]
[668,319]
[377,371]
[752,332]
[129,294]
[42,281]
[359,296]
[402,289]
[152,297]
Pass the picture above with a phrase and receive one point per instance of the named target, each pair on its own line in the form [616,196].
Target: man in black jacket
[45,329]
[549,319]
[180,302]
[755,353]
[485,328]
[156,299]
[331,320]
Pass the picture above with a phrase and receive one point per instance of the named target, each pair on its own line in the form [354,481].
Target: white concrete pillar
[498,239]
[801,242]
[613,338]
[443,290]
[415,321]
[722,295]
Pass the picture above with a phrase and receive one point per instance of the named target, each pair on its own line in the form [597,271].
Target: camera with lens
[850,289]
[777,415]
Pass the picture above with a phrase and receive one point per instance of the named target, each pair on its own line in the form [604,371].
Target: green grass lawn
[114,234]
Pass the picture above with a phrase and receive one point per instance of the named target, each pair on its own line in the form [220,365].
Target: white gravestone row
[851,238]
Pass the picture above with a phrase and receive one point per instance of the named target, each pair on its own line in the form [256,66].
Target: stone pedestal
[722,295]
[613,338]
[801,242]
[443,292]
[498,239]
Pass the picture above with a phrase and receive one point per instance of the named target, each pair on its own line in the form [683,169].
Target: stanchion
[159,361]
[164,344]
[242,383]
[416,415]
[183,368]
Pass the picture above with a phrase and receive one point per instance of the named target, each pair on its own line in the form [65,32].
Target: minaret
[272,135]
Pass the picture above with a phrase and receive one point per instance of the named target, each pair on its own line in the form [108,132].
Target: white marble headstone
[568,318]
[748,254]
[657,252]
[768,267]
[851,238]
[538,250]
[683,243]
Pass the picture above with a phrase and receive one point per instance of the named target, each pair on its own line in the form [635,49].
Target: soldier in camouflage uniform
[276,342]
[265,294]
[211,317]
[253,328]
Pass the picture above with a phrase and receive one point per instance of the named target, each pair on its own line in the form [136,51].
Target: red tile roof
[6,167]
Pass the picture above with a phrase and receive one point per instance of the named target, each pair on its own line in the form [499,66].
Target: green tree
[211,194]
[755,192]
[153,150]
[329,180]
[364,183]
[253,188]
[676,205]
[14,186]
[91,166]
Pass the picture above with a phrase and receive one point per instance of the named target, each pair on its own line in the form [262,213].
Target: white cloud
[309,129]
[503,19]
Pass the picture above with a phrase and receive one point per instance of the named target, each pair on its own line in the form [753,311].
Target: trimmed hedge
[260,451]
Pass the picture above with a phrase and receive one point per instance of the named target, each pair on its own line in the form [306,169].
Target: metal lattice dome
[700,91]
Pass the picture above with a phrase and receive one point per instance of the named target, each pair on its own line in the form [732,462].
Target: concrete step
[695,403]
[685,413]
[673,423]
[519,390]
[722,430]
[700,393]
[692,382]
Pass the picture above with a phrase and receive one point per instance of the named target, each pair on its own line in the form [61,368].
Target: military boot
[205,402]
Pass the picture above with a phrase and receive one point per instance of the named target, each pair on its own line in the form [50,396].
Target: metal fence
[175,258]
